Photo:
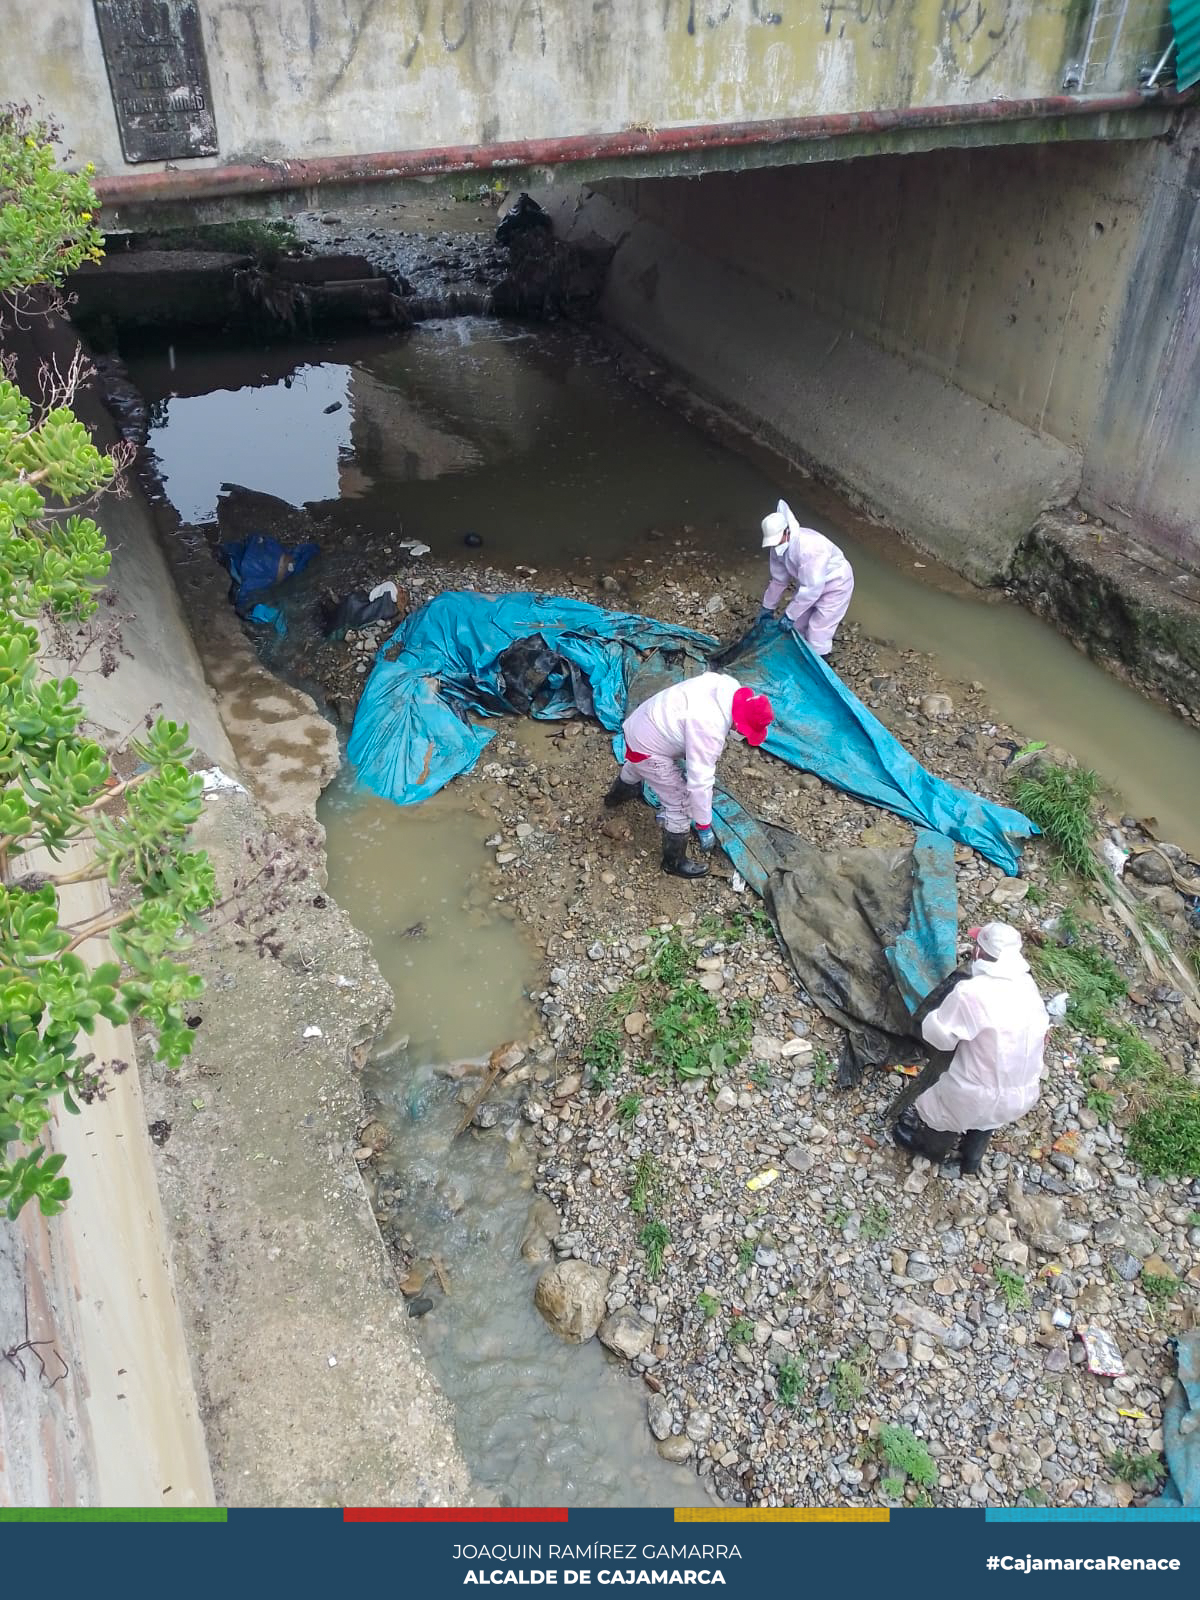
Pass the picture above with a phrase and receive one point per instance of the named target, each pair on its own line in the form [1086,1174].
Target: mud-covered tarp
[869,932]
[1181,1428]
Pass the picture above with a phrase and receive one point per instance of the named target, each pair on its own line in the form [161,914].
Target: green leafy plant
[646,1183]
[838,1216]
[654,1239]
[760,1075]
[669,962]
[708,1305]
[741,1330]
[1159,1288]
[1062,803]
[693,1040]
[907,1458]
[791,1380]
[1139,1472]
[1101,1101]
[47,226]
[850,1376]
[628,1107]
[822,1068]
[1089,977]
[1012,1287]
[745,1254]
[58,786]
[1165,1138]
[877,1223]
[602,1055]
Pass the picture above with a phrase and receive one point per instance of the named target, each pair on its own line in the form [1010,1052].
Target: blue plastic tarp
[257,564]
[1181,1428]
[409,737]
[821,727]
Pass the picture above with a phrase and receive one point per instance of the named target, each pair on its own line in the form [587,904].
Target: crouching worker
[688,722]
[995,1023]
[806,561]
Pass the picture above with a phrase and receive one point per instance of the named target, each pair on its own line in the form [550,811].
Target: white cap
[998,938]
[777,525]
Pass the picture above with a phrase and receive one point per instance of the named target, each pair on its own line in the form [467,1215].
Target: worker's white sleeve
[948,1026]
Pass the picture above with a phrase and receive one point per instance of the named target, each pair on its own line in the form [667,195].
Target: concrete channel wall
[958,338]
[320,78]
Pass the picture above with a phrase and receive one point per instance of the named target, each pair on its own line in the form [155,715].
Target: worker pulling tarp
[411,735]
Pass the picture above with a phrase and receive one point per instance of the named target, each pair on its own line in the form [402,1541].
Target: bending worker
[688,722]
[805,560]
[996,1025]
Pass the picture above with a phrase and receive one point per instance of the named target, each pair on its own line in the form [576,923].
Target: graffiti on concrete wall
[975,33]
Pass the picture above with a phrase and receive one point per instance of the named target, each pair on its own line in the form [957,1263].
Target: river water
[532,438]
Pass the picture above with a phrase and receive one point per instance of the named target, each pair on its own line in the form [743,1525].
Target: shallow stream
[532,438]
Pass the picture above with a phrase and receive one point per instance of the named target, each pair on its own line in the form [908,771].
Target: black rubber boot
[675,857]
[620,792]
[913,1134]
[972,1148]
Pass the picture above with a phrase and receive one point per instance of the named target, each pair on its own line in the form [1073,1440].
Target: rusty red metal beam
[264,177]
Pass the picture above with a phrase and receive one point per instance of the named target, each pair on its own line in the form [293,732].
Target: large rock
[626,1333]
[571,1296]
[542,1227]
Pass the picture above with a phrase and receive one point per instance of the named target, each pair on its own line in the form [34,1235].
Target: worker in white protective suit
[806,561]
[996,1024]
[688,722]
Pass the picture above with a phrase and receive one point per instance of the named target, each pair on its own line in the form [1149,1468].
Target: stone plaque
[154,52]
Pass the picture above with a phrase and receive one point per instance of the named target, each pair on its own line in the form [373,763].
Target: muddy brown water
[531,438]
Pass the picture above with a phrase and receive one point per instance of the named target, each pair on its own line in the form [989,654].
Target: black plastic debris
[526,216]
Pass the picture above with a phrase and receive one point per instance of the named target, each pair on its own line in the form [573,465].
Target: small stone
[798,1159]
[698,1426]
[659,1416]
[725,1099]
[678,1447]
[936,705]
[625,1333]
[796,1047]
[635,1024]
[712,982]
[1125,1265]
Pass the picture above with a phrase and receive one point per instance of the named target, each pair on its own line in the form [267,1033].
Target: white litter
[414,547]
[333,1361]
[313,1032]
[739,883]
[384,588]
[1114,856]
[1056,1008]
[215,779]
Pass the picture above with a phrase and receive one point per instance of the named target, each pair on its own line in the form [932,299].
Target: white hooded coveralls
[823,580]
[688,722]
[996,1024]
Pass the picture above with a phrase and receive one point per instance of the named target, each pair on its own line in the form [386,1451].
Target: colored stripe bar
[454,1514]
[117,1514]
[1093,1514]
[790,1514]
